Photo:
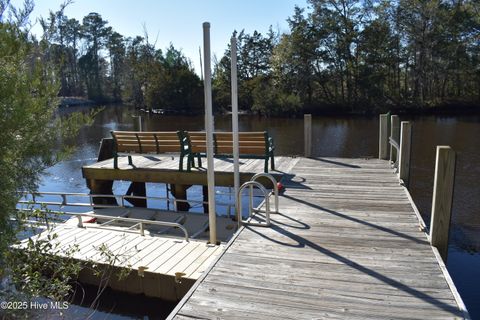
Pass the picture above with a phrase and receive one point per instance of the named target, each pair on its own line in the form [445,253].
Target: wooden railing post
[395,134]
[307,127]
[405,151]
[383,137]
[442,199]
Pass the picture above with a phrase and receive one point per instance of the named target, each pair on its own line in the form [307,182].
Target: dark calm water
[333,137]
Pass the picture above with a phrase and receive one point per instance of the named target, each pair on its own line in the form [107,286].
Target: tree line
[95,61]
[338,55]
[357,56]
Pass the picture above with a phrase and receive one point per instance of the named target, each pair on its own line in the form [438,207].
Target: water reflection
[333,137]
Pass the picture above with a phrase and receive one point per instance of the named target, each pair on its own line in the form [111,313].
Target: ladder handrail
[267,204]
[275,186]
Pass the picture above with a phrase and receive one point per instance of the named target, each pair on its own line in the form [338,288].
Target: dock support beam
[405,152]
[383,137]
[442,199]
[307,128]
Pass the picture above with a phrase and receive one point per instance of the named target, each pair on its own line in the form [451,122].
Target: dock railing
[138,223]
[32,200]
[90,202]
[398,135]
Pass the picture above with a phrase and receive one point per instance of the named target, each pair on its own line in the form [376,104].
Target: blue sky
[180,21]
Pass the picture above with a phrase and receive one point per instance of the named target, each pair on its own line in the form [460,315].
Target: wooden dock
[162,267]
[346,245]
[164,169]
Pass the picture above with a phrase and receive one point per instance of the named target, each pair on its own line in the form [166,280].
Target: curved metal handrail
[394,143]
[275,186]
[260,186]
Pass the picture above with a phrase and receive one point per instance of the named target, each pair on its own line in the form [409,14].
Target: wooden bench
[252,145]
[144,142]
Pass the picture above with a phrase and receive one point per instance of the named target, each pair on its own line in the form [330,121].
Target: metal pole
[209,130]
[236,165]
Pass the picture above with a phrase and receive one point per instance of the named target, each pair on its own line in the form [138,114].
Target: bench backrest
[147,142]
[255,143]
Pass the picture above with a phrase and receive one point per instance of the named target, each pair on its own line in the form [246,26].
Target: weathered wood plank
[347,244]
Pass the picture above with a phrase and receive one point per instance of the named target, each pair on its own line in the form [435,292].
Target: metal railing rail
[265,192]
[91,197]
[394,144]
[140,223]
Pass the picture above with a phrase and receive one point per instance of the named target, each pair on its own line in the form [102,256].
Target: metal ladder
[266,194]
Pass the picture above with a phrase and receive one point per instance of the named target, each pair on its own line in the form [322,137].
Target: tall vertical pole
[209,129]
[236,166]
[442,199]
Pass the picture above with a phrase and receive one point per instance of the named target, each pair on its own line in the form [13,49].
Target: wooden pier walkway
[346,245]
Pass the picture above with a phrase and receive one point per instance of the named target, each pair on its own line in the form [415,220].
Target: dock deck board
[160,257]
[346,245]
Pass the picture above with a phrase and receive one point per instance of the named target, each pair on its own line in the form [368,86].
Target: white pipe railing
[138,222]
[120,198]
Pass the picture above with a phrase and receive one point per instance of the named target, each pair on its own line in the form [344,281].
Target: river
[332,137]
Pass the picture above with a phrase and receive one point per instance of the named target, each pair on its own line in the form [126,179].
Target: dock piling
[383,137]
[307,120]
[137,125]
[442,199]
